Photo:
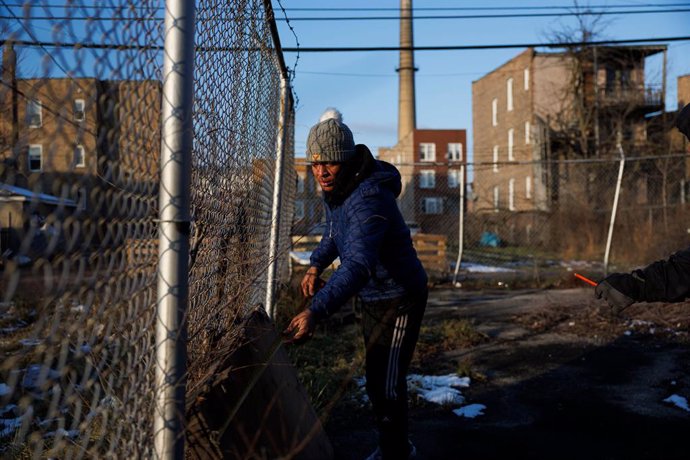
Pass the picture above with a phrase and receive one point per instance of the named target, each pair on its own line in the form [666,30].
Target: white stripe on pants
[394,356]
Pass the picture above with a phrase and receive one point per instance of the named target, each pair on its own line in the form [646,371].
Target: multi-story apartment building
[87,141]
[430,162]
[538,109]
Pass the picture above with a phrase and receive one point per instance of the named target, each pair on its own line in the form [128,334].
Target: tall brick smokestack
[407,118]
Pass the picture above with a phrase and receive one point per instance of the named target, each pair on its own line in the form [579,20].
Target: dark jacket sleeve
[325,253]
[667,280]
[368,223]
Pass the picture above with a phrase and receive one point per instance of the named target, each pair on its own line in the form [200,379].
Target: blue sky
[364,85]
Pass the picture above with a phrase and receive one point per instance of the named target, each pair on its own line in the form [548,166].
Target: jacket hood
[385,175]
[363,169]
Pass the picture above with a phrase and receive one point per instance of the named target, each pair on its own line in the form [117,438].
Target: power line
[387,75]
[33,36]
[222,17]
[484,47]
[486,16]
[488,8]
[123,47]
[465,8]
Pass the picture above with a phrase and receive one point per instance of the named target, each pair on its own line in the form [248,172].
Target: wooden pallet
[431,250]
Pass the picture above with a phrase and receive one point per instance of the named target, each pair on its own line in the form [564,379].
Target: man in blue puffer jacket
[378,263]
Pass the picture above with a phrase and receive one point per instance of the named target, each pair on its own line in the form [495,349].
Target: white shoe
[376,455]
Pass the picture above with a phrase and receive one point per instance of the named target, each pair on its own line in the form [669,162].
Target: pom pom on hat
[333,113]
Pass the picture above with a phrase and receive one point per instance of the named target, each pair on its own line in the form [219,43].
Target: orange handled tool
[585,279]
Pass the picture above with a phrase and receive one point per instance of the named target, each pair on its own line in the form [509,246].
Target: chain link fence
[536,222]
[80,151]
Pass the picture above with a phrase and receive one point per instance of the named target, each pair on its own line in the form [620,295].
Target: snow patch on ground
[479,268]
[437,389]
[470,411]
[678,401]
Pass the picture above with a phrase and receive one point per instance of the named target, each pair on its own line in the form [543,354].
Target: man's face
[325,174]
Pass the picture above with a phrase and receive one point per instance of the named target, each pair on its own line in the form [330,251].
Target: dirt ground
[559,377]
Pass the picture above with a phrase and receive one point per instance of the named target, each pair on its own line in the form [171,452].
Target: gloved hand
[683,121]
[619,290]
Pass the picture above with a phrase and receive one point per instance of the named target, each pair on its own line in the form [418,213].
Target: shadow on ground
[560,379]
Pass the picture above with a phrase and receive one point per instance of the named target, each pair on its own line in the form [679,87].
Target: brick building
[539,109]
[430,163]
[91,142]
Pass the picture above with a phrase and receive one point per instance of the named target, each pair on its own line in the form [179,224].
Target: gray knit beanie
[330,140]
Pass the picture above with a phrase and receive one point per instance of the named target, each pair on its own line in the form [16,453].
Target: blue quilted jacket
[368,233]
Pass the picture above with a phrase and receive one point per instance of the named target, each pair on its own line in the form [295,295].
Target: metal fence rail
[80,152]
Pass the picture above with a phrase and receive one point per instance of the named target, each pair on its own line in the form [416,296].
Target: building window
[511,138]
[528,187]
[79,156]
[525,74]
[427,178]
[78,109]
[427,152]
[682,191]
[497,195]
[511,194]
[432,205]
[300,183]
[35,157]
[453,178]
[494,112]
[495,158]
[299,210]
[455,151]
[527,132]
[34,113]
[509,94]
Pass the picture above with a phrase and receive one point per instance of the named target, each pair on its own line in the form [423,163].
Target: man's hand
[619,290]
[311,282]
[301,327]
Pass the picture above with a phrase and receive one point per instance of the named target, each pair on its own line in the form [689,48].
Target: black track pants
[391,329]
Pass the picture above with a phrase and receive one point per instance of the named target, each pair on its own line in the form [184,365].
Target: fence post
[173,229]
[277,196]
[614,210]
[461,223]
